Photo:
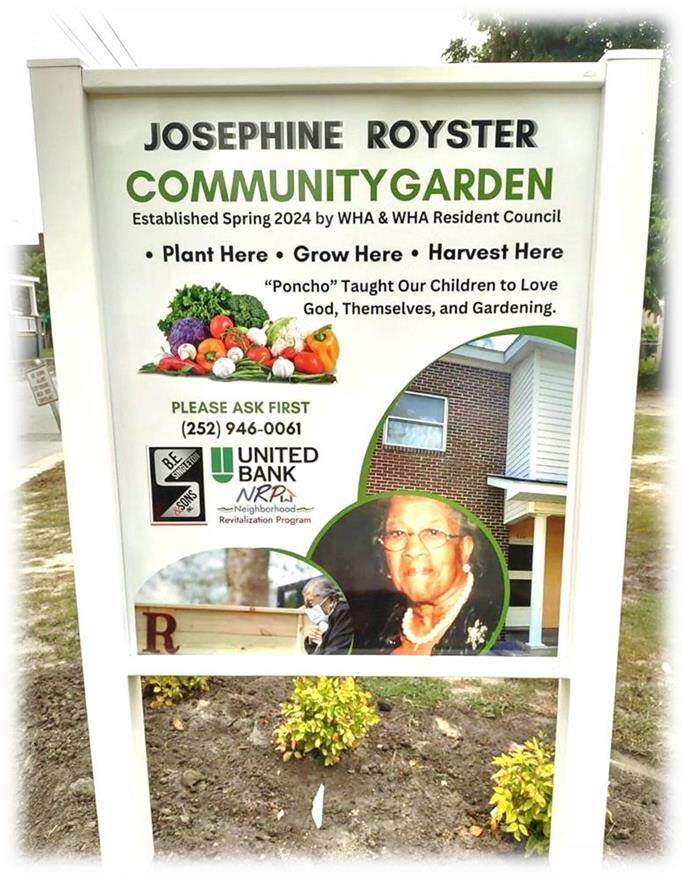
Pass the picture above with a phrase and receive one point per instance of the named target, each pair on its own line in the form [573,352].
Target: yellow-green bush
[325,715]
[167,690]
[523,789]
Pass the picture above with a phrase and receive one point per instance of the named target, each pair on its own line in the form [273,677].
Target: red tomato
[261,354]
[233,338]
[219,325]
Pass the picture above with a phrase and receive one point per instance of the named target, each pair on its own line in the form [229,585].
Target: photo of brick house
[488,425]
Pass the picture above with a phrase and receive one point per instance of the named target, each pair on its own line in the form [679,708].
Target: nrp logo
[222,465]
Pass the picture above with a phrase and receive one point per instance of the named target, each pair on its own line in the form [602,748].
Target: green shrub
[523,789]
[649,333]
[167,690]
[325,715]
[648,367]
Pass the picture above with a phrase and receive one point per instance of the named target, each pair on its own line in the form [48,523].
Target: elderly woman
[429,552]
[333,632]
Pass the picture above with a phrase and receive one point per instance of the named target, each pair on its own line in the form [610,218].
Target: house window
[520,571]
[418,420]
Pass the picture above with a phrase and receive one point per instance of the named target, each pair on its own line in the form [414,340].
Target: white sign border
[603,423]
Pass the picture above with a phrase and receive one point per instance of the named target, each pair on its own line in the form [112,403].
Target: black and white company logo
[177,485]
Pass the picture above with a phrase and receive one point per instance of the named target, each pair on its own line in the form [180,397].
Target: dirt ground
[219,788]
[416,785]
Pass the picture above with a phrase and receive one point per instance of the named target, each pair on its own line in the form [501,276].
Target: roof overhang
[529,490]
[504,360]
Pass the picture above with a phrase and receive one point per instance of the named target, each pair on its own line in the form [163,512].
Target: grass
[48,607]
[494,700]
[420,693]
[646,536]
[640,696]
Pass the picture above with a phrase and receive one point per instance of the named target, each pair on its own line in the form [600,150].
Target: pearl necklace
[443,625]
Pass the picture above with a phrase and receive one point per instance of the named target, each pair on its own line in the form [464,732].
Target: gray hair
[465,526]
[321,587]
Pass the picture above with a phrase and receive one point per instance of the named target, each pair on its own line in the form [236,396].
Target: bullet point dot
[149,254]
[414,252]
[279,254]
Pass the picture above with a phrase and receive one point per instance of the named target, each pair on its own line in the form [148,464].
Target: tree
[247,576]
[587,40]
[34,265]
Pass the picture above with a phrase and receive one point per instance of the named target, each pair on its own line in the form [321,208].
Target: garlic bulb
[257,336]
[223,368]
[282,368]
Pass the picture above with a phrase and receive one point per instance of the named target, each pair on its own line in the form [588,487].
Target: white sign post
[82,131]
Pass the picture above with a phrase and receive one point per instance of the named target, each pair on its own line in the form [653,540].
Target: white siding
[520,408]
[540,411]
[553,406]
[515,508]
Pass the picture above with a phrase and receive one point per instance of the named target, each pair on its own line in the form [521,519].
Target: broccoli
[204,303]
[246,310]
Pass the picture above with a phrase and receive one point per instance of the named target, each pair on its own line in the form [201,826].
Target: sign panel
[313,272]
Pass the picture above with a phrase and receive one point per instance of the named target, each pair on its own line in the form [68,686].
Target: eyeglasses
[397,540]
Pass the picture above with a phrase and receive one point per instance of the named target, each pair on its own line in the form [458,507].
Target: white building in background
[536,476]
[24,316]
[488,424]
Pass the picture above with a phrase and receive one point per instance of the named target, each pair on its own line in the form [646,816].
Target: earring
[466,567]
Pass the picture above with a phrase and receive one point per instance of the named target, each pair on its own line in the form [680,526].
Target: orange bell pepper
[323,342]
[208,352]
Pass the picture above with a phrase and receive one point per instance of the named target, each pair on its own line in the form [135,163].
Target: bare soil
[415,786]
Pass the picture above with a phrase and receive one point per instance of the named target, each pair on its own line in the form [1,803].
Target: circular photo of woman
[422,575]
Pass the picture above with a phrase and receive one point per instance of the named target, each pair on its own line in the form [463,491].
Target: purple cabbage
[188,330]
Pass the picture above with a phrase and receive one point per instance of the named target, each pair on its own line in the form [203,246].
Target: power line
[121,43]
[116,60]
[72,37]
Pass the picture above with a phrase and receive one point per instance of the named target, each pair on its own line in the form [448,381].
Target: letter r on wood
[165,633]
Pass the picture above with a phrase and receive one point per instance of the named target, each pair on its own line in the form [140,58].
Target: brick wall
[475,447]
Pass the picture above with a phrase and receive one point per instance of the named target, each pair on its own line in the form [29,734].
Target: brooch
[477,634]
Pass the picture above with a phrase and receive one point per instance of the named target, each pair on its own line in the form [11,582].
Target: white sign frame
[601,435]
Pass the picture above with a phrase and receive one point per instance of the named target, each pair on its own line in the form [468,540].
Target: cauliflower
[284,333]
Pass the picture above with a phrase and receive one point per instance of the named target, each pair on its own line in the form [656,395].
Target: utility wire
[71,36]
[121,42]
[116,60]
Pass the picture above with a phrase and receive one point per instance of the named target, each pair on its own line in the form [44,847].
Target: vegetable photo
[211,332]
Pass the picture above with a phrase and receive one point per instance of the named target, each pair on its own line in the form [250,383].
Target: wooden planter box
[208,629]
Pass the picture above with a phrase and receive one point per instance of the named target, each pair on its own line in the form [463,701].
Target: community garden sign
[377,325]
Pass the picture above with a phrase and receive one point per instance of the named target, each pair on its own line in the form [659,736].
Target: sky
[229,35]
[225,34]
